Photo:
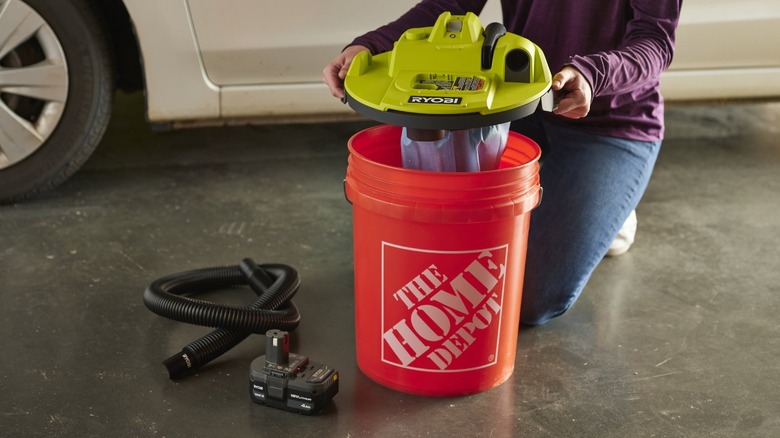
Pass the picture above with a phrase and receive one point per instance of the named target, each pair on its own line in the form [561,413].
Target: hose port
[517,66]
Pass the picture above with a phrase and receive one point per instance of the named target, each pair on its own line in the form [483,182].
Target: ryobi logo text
[447,316]
[435,100]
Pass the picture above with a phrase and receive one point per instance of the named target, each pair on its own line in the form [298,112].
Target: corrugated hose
[170,296]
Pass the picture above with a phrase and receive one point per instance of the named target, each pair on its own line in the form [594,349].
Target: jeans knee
[536,312]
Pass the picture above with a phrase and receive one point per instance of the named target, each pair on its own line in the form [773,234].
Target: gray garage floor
[679,337]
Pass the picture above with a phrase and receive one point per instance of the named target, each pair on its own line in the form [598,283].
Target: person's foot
[625,237]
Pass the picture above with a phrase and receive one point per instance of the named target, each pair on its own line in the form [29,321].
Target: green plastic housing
[453,75]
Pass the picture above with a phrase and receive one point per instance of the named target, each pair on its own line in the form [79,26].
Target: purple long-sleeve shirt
[620,46]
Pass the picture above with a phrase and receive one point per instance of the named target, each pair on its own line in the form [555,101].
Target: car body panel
[175,80]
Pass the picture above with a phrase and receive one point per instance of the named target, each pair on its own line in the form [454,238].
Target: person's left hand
[572,93]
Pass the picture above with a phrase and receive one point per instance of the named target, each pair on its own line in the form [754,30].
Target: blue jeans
[591,184]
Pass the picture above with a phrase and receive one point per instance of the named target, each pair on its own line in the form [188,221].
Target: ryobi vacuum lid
[454,75]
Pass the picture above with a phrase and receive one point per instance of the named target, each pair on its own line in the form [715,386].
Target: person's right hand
[334,73]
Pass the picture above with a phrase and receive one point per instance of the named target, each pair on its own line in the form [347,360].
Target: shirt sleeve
[423,14]
[646,50]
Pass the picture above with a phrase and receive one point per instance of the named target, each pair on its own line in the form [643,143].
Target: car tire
[58,136]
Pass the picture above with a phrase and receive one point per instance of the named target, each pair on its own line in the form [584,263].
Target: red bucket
[439,262]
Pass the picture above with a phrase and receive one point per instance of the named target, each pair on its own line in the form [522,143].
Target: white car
[235,61]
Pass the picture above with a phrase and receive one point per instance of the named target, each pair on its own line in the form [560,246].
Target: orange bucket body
[439,263]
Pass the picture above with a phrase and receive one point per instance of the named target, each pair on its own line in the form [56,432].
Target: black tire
[87,109]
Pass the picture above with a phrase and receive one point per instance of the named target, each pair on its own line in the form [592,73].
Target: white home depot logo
[435,100]
[441,310]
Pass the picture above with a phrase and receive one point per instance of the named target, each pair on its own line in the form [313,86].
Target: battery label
[469,83]
[452,83]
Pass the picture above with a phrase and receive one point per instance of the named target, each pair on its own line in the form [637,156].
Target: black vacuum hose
[275,285]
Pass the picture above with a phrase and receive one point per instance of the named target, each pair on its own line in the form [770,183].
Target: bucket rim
[386,129]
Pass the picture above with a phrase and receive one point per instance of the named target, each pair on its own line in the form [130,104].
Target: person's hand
[334,73]
[572,93]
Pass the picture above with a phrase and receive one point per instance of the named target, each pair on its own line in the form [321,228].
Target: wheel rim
[33,81]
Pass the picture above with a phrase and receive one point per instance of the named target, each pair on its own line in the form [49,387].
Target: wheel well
[125,53]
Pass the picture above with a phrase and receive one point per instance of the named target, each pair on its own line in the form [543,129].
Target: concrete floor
[677,338]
